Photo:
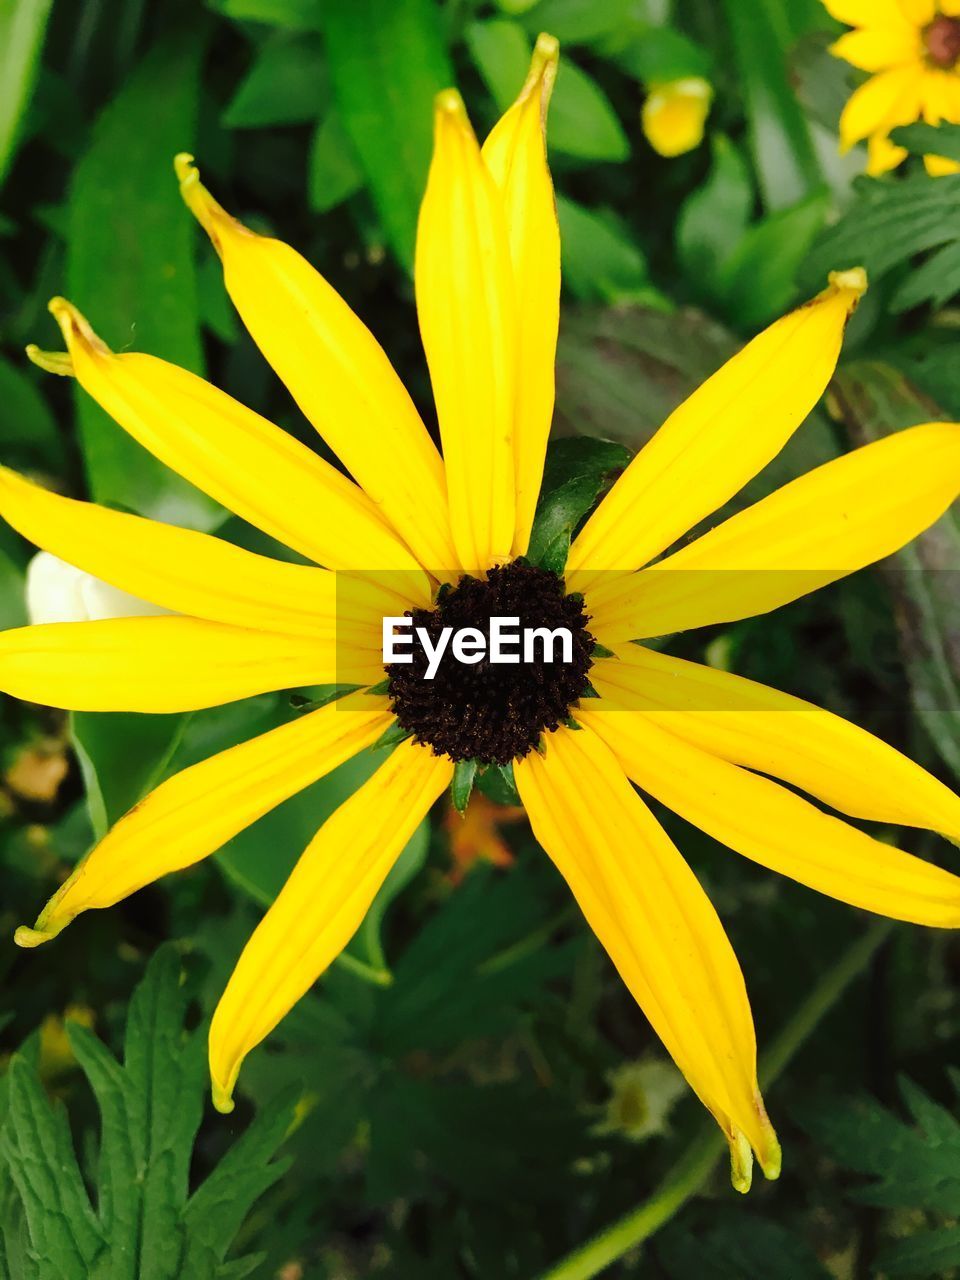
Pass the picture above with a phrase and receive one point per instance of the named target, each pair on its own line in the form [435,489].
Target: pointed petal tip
[184,168]
[448,104]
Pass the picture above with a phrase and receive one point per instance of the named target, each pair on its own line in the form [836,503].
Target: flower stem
[698,1162]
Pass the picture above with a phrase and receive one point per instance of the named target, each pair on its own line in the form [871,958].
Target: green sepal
[589,691]
[382,688]
[601,651]
[392,736]
[497,783]
[461,788]
[570,723]
[300,703]
[578,470]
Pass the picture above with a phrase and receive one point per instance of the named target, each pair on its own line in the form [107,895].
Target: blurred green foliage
[454,1068]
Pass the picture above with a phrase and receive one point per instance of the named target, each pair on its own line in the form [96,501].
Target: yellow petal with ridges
[336,371]
[649,912]
[770,825]
[178,569]
[256,470]
[321,906]
[467,306]
[516,155]
[771,732]
[721,436]
[195,813]
[830,522]
[163,664]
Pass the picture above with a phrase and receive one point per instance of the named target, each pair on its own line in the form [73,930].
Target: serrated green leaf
[888,224]
[146,1226]
[930,1253]
[934,281]
[287,84]
[738,1247]
[130,266]
[388,60]
[65,1237]
[23,24]
[461,788]
[576,472]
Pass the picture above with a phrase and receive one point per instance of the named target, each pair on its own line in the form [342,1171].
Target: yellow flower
[446,535]
[911,48]
[674,115]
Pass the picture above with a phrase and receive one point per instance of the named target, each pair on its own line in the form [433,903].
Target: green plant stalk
[697,1164]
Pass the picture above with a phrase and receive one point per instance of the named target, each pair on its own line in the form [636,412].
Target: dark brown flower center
[942,39]
[487,710]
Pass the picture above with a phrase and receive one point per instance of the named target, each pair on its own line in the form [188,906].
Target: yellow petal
[178,569]
[336,371]
[256,470]
[940,166]
[674,115]
[877,48]
[836,519]
[776,828]
[197,811]
[516,155]
[887,99]
[721,436]
[752,725]
[883,155]
[919,11]
[321,906]
[161,664]
[867,13]
[648,910]
[467,305]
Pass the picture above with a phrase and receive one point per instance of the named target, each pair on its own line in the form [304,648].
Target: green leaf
[461,788]
[714,218]
[758,281]
[875,400]
[930,140]
[333,171]
[28,430]
[601,263]
[130,266]
[738,1247]
[573,22]
[935,281]
[497,783]
[122,756]
[146,1225]
[663,54]
[388,60]
[887,226]
[287,84]
[783,152]
[293,15]
[577,472]
[23,24]
[582,121]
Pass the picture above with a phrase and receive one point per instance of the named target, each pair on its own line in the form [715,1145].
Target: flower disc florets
[491,711]
[942,40]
